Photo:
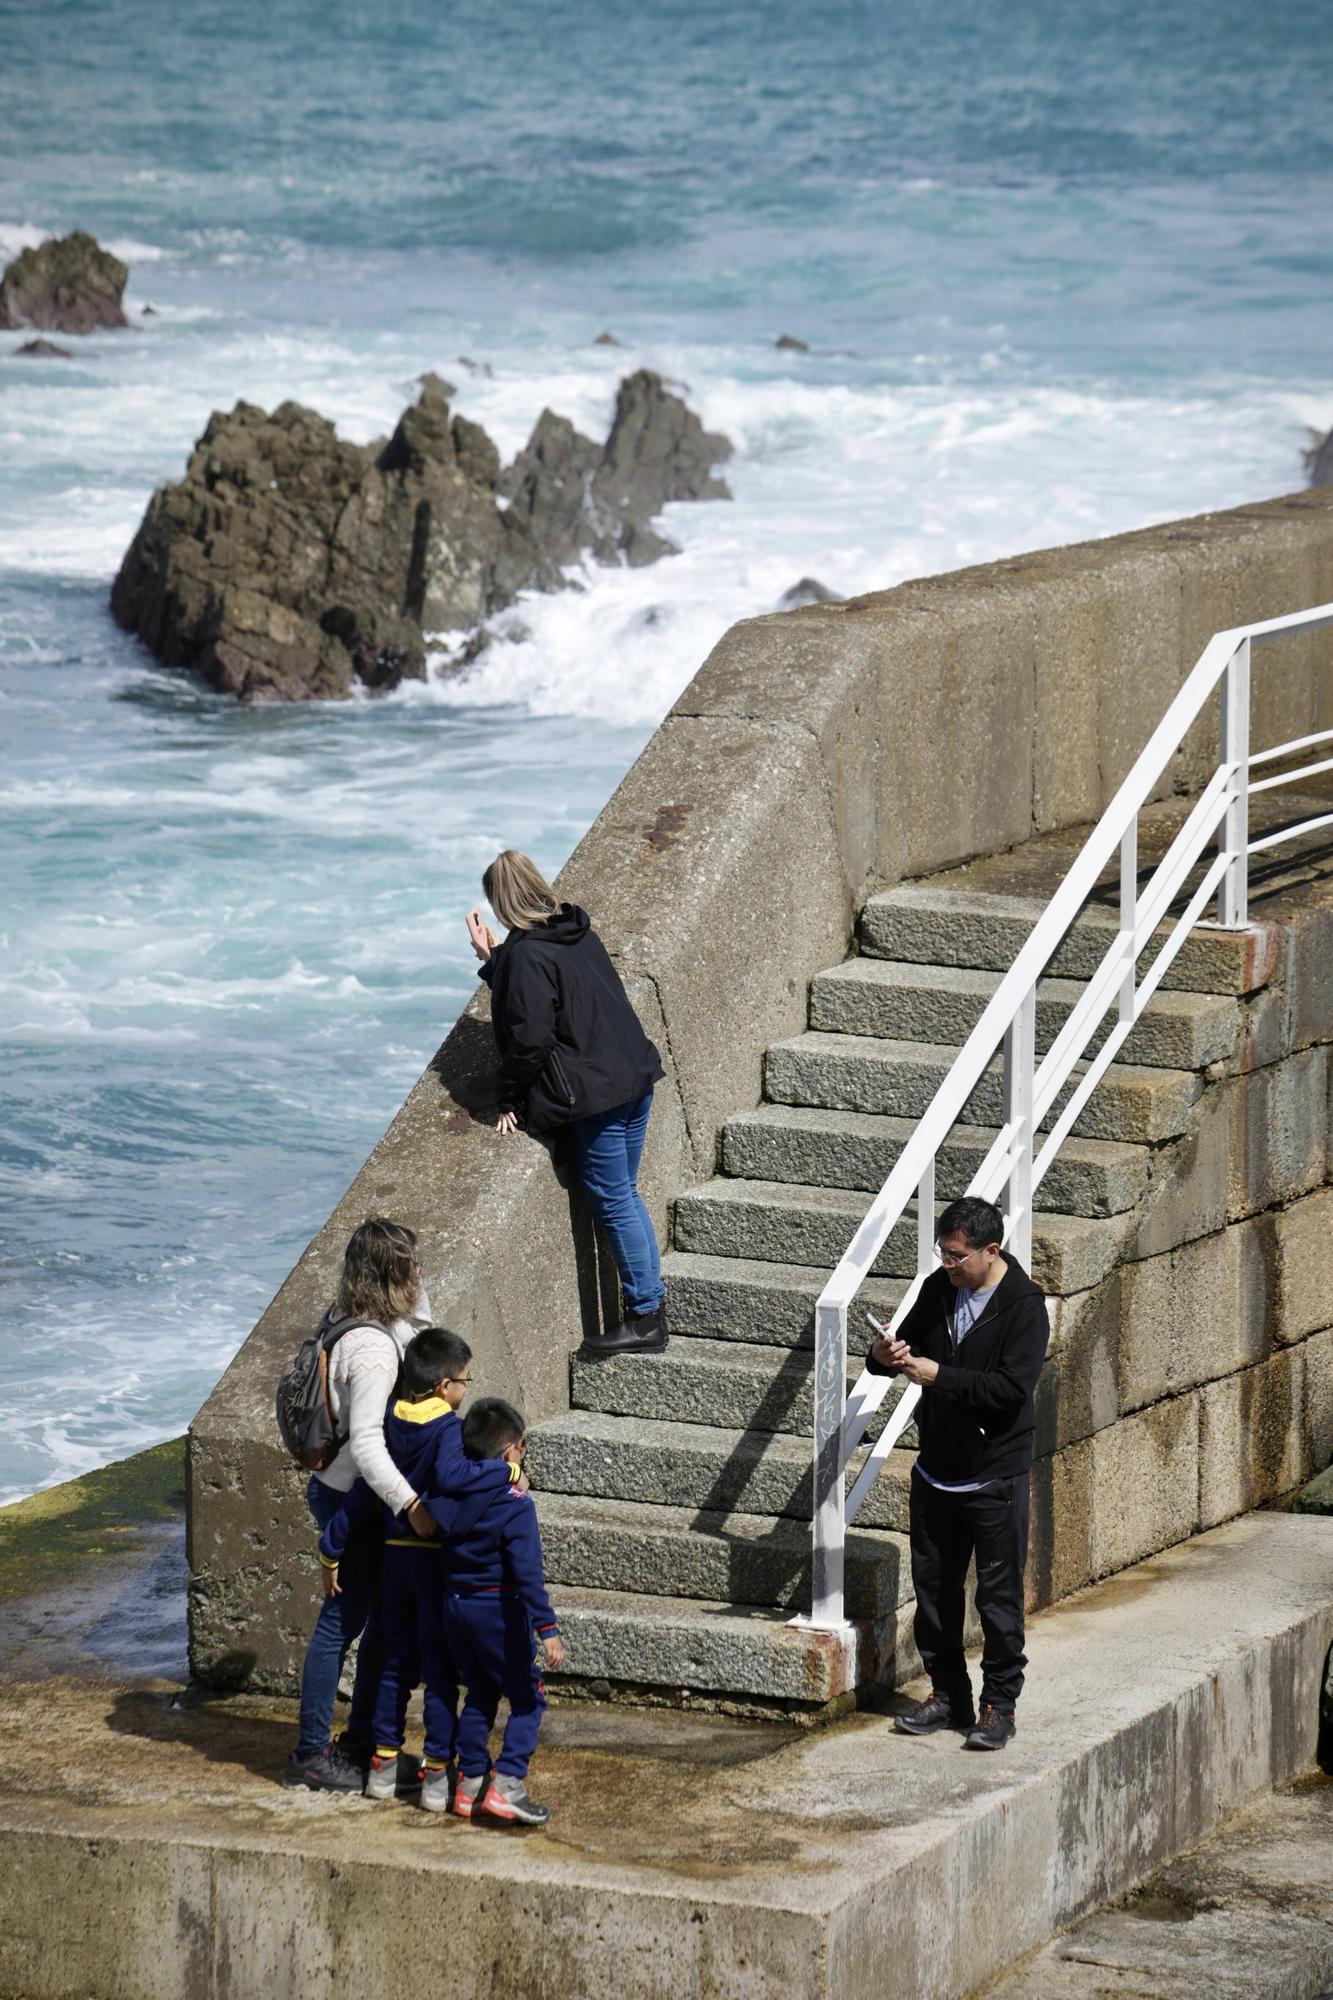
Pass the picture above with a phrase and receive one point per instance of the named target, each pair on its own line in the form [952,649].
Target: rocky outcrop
[1319,461]
[45,350]
[69,284]
[288,565]
[580,499]
[808,590]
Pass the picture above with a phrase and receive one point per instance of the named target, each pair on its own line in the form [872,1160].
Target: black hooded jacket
[977,1419]
[570,1043]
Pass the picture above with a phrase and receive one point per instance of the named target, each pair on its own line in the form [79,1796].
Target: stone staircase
[675,1495]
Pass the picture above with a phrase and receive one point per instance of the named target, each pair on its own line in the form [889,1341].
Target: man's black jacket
[570,1042]
[976,1420]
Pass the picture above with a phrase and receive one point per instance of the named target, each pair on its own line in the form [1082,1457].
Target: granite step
[814,1225]
[927,1003]
[749,1299]
[932,924]
[717,1382]
[1138,1106]
[695,1465]
[857,1149]
[729,1558]
[731,1652]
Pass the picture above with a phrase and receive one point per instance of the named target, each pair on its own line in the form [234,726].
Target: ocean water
[1062,271]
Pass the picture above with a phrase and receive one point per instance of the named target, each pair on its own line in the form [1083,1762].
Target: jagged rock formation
[1319,461]
[69,284]
[288,565]
[808,590]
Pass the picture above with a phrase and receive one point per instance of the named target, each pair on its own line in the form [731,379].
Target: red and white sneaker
[467,1796]
[507,1799]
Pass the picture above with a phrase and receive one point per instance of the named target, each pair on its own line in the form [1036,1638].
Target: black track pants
[946,1530]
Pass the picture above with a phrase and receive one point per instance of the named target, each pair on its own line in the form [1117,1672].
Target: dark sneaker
[641,1333]
[394,1777]
[437,1788]
[507,1799]
[326,1770]
[993,1731]
[467,1795]
[358,1752]
[937,1711]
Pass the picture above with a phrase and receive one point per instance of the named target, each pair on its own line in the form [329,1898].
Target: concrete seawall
[814,757]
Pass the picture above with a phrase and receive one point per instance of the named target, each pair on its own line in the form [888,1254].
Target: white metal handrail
[1017,1162]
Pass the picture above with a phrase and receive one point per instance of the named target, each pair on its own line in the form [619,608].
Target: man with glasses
[974,1340]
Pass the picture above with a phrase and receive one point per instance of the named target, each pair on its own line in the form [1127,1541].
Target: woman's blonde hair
[381,1277]
[519,894]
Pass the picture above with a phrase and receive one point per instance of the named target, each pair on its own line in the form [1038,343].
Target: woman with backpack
[574,1059]
[381,1293]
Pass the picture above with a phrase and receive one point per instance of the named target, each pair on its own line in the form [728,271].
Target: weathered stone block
[1144,1478]
[1060,1525]
[1079,1389]
[1277,1131]
[1196,1313]
[1303,1283]
[1252,1438]
[1317,1417]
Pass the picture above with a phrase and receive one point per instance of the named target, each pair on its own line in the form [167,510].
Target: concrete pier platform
[147,1851]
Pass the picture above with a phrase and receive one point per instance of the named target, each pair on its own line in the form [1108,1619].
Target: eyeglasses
[462,1381]
[952,1258]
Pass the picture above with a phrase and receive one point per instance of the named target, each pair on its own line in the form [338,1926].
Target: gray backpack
[304,1406]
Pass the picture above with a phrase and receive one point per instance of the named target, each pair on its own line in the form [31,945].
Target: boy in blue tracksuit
[495,1601]
[424,1437]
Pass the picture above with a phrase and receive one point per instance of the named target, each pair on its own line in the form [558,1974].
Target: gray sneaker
[395,1777]
[437,1789]
[507,1799]
[326,1770]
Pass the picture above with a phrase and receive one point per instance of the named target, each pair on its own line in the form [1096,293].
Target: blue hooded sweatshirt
[493,1544]
[425,1442]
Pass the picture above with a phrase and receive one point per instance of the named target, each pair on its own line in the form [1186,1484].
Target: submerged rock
[45,350]
[69,284]
[809,590]
[288,565]
[791,345]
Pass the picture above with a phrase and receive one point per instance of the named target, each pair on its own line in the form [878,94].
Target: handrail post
[829,1525]
[1020,1064]
[1234,838]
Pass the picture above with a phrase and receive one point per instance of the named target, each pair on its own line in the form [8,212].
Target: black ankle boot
[640,1333]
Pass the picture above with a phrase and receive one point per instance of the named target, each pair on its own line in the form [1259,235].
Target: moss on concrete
[1317,1497]
[100,1515]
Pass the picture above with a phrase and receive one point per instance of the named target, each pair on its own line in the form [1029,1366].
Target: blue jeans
[353,1613]
[607,1149]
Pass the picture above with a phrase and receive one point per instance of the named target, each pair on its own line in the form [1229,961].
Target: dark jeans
[352,1614]
[490,1638]
[411,1605]
[606,1150]
[946,1530]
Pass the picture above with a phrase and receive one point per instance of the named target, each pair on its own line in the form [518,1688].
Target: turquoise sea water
[1062,270]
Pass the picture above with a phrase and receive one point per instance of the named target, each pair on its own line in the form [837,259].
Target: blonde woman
[574,1059]
[381,1287]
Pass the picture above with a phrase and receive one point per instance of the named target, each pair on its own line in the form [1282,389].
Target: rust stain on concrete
[666,828]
